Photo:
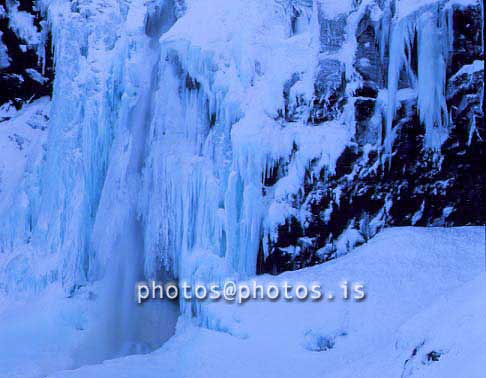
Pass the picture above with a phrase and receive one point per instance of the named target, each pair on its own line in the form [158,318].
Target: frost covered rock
[26,66]
[371,188]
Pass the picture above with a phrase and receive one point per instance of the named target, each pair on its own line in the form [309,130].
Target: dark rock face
[25,74]
[415,187]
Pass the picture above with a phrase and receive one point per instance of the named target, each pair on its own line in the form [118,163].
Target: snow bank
[424,299]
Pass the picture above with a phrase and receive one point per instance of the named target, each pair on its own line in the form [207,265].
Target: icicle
[400,55]
[431,81]
[384,32]
[433,28]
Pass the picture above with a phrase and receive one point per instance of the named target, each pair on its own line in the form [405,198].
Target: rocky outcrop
[26,66]
[415,186]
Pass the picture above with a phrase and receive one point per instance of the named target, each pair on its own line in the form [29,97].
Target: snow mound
[424,316]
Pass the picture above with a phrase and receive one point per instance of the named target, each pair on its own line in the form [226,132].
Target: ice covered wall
[201,139]
[212,141]
[76,233]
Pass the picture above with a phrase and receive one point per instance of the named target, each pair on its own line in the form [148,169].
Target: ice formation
[169,116]
[429,30]
[4,58]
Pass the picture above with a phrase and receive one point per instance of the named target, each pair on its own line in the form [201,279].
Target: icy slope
[424,316]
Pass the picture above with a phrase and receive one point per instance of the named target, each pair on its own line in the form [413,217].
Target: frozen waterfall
[168,120]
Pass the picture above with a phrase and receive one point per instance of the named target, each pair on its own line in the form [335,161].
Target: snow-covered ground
[424,316]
